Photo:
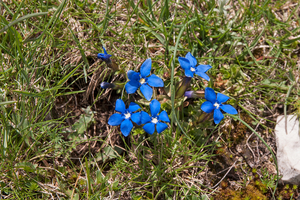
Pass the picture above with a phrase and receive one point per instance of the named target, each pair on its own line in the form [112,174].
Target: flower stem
[203,117]
[111,64]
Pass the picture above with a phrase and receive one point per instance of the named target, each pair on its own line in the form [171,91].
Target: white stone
[288,148]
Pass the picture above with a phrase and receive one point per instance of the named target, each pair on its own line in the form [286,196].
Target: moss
[287,192]
[236,134]
[255,191]
[262,187]
[295,187]
[287,186]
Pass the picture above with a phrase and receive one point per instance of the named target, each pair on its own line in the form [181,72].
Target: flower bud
[106,85]
[184,85]
[194,94]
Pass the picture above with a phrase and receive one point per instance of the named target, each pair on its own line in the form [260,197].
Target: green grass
[53,146]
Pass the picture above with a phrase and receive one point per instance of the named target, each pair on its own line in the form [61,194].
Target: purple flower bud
[194,94]
[189,94]
[106,85]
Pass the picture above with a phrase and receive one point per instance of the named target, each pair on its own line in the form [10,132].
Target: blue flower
[125,116]
[143,81]
[104,56]
[189,65]
[214,103]
[154,119]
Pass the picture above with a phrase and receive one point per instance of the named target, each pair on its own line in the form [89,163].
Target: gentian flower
[189,65]
[154,119]
[143,81]
[214,103]
[104,56]
[123,119]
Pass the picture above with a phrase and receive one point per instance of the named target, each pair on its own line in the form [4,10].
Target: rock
[288,148]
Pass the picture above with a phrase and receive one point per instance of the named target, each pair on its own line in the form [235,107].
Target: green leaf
[109,153]
[7,102]
[84,121]
[21,19]
[27,166]
[67,77]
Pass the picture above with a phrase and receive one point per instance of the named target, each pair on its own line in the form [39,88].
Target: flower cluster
[127,115]
[137,80]
[156,121]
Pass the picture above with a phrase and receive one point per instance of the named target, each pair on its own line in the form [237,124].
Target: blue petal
[221,98]
[120,106]
[163,116]
[192,59]
[160,127]
[203,68]
[104,50]
[218,116]
[154,107]
[155,81]
[184,63]
[149,128]
[103,56]
[207,107]
[133,76]
[132,86]
[133,107]
[136,118]
[203,75]
[189,73]
[146,68]
[229,109]
[210,95]
[100,55]
[115,120]
[145,118]
[146,91]
[126,127]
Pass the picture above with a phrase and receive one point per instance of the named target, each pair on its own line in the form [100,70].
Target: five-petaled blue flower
[214,103]
[189,65]
[125,116]
[140,80]
[104,56]
[154,119]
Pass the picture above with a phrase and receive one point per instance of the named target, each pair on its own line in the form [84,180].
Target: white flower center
[142,80]
[127,115]
[193,69]
[154,120]
[217,105]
